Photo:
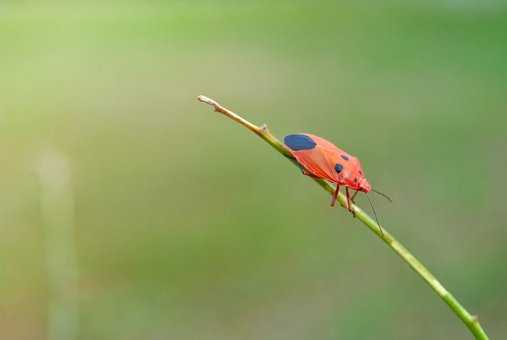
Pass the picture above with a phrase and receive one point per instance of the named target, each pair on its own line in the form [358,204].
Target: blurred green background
[128,210]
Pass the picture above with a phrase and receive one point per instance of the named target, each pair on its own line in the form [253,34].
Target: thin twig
[470,321]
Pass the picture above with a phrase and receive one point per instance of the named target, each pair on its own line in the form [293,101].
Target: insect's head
[364,185]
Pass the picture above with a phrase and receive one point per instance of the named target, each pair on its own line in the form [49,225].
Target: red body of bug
[322,159]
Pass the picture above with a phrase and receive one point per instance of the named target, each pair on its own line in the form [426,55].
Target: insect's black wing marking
[299,142]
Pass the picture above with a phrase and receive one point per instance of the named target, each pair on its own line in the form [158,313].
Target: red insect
[320,158]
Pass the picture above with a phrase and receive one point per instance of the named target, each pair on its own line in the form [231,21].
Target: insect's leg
[349,205]
[354,196]
[335,195]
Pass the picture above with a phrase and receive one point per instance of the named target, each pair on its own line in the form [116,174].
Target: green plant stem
[470,321]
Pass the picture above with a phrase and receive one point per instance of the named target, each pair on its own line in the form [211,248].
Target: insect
[322,159]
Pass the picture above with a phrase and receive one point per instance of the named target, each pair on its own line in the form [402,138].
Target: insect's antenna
[383,195]
[375,214]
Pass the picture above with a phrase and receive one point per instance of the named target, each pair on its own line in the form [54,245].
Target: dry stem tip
[207,100]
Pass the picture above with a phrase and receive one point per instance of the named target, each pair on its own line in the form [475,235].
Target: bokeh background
[128,210]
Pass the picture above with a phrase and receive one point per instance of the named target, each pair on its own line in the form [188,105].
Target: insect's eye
[338,167]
